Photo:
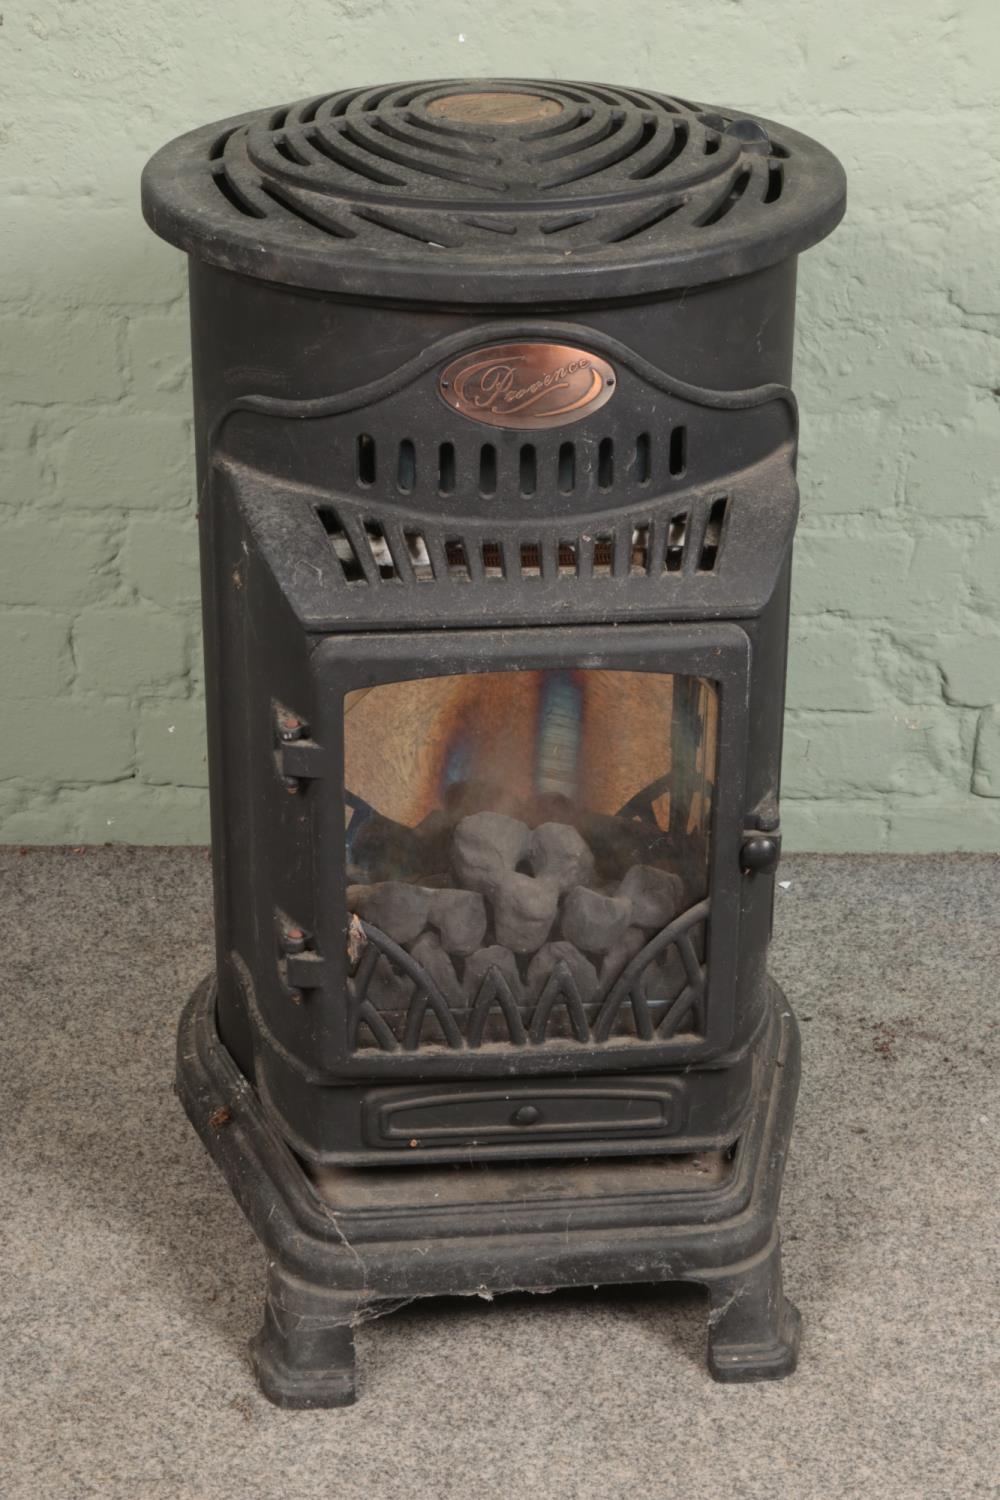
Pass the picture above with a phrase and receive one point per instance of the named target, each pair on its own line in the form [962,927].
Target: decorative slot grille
[370,550]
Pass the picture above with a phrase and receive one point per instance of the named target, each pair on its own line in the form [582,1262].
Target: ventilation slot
[366,459]
[492,553]
[713,536]
[446,468]
[342,545]
[379,549]
[567,559]
[711,145]
[604,555]
[487,469]
[308,111]
[648,221]
[233,198]
[219,145]
[398,226]
[567,468]
[775,182]
[420,558]
[643,458]
[666,155]
[589,139]
[528,469]
[284,149]
[739,186]
[531,560]
[351,163]
[640,549]
[606,464]
[646,134]
[406,467]
[458,562]
[678,450]
[569,221]
[414,162]
[294,204]
[676,537]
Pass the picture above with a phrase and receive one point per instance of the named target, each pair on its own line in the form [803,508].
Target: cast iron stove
[497,492]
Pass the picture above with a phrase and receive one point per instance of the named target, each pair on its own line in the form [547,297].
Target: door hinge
[299,758]
[300,965]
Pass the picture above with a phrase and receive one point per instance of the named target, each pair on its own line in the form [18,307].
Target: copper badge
[528,386]
[494,107]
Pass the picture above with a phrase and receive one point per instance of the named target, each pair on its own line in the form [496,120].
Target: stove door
[526,848]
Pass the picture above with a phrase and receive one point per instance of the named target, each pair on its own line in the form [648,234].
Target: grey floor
[130,1282]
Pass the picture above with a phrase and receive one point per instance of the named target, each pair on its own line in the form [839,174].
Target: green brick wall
[893,736]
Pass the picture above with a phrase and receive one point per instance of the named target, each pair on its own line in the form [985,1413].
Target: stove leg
[753,1328]
[304,1354]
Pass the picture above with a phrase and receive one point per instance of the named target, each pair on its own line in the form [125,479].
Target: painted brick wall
[894,727]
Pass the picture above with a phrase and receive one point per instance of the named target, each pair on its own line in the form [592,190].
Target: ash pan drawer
[396,1118]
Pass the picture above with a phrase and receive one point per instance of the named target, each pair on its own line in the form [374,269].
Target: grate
[645,547]
[401,175]
[492,1015]
[525,470]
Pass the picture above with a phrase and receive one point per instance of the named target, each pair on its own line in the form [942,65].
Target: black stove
[497,493]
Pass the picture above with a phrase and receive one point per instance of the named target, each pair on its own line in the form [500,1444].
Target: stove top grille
[495,175]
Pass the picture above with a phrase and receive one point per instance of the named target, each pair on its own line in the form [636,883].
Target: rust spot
[220,1118]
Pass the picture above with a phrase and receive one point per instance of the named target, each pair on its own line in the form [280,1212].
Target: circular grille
[503,188]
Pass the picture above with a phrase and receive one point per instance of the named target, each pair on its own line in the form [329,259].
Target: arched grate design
[621,1010]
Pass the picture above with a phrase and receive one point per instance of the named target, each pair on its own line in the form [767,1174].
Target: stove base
[345,1244]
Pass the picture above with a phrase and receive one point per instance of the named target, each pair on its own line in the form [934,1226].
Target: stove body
[497,492]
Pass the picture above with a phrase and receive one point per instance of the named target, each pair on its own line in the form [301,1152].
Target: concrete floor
[131,1283]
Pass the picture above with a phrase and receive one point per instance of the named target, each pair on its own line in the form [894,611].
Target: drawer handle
[528,1114]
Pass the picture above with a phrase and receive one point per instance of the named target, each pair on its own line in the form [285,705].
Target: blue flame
[560,733]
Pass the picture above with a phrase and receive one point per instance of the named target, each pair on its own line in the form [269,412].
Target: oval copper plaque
[529,386]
